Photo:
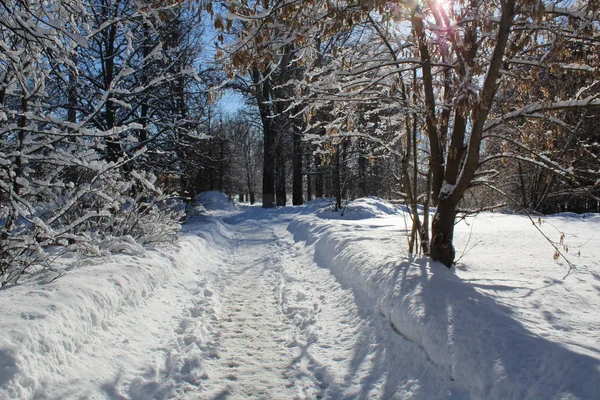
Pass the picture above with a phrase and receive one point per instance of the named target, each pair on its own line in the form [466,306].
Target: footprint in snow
[231,377]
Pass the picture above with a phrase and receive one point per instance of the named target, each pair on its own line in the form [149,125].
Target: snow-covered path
[254,353]
[289,330]
[241,311]
[298,303]
[286,328]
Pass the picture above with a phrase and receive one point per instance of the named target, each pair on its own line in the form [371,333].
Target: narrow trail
[286,329]
[255,355]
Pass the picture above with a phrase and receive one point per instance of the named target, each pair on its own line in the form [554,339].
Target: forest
[300,199]
[111,115]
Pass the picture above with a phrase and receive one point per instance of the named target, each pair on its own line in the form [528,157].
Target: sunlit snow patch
[364,208]
[495,328]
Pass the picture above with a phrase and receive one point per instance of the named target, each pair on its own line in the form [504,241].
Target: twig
[465,251]
[572,266]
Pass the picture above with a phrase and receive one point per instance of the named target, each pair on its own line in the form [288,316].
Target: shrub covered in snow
[105,211]
[68,151]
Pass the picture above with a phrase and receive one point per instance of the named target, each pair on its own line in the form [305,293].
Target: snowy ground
[300,303]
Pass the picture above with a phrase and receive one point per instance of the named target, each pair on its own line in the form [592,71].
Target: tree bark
[280,189]
[113,142]
[309,177]
[337,179]
[72,94]
[451,181]
[442,231]
[250,196]
[145,107]
[221,165]
[269,136]
[362,172]
[297,171]
[424,233]
[318,178]
[268,182]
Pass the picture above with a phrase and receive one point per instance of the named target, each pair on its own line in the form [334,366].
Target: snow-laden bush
[106,210]
[72,131]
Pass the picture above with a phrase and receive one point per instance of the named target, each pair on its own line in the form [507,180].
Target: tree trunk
[249,183]
[337,179]
[145,107]
[309,177]
[362,173]
[268,190]
[221,164]
[21,137]
[450,180]
[113,142]
[424,232]
[297,171]
[280,189]
[263,94]
[410,187]
[442,231]
[343,173]
[318,178]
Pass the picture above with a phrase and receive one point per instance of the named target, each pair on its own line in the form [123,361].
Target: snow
[447,189]
[304,303]
[504,325]
[369,207]
[214,202]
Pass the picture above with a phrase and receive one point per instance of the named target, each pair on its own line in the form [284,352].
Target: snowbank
[370,207]
[487,346]
[364,208]
[214,202]
[45,323]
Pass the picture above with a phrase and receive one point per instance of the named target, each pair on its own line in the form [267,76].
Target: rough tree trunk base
[442,232]
[442,250]
[268,201]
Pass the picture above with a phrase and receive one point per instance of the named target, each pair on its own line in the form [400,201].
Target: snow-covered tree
[448,61]
[271,65]
[70,130]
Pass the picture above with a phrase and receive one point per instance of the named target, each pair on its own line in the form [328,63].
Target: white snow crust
[215,202]
[507,324]
[303,303]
